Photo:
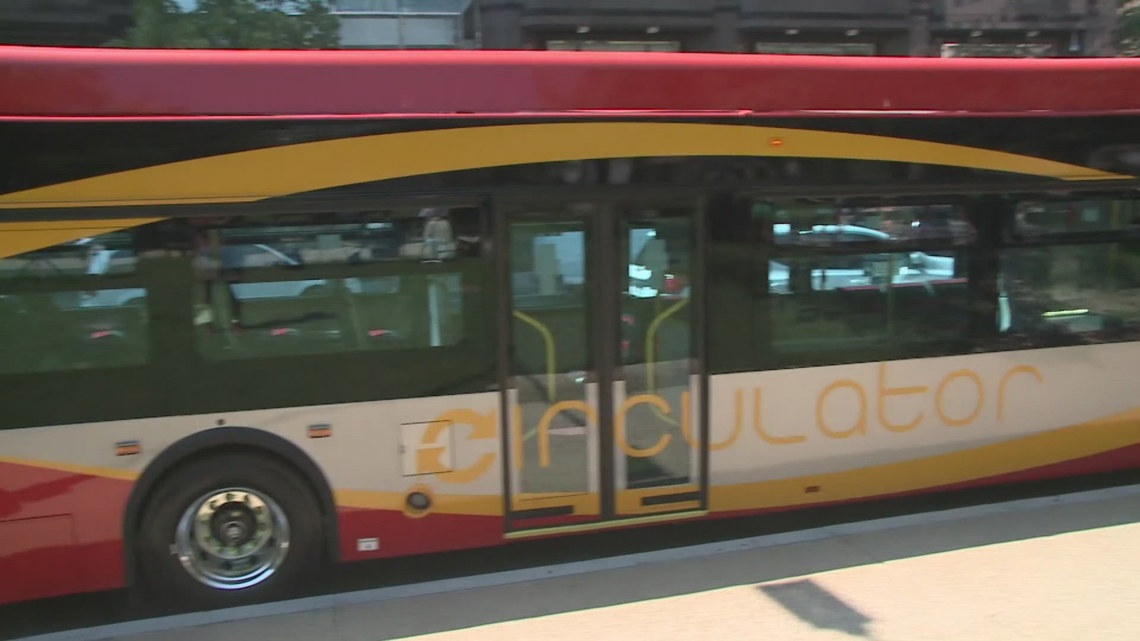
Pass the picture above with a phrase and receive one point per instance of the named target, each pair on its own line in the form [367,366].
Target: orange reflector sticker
[127,448]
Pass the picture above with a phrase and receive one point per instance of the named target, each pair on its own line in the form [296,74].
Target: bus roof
[50,82]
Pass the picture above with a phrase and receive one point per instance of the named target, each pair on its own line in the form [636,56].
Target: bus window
[75,305]
[1036,220]
[392,279]
[863,283]
[1066,276]
[1065,294]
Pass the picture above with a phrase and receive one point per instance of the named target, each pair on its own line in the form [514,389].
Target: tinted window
[1066,294]
[72,306]
[382,281]
[1036,220]
[851,283]
[171,318]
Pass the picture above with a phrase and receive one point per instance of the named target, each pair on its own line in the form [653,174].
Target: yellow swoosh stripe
[1056,446]
[278,171]
[1047,448]
[469,504]
[86,470]
[19,238]
[1039,450]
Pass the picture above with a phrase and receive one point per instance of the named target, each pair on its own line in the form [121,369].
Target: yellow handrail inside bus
[651,341]
[548,339]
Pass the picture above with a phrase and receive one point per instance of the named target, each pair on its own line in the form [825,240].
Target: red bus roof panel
[73,82]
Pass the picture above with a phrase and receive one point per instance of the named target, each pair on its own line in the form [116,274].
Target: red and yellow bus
[264,311]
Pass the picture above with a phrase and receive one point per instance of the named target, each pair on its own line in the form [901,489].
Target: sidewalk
[1042,569]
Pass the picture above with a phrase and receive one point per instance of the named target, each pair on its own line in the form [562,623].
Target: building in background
[63,22]
[847,27]
[850,27]
[406,24]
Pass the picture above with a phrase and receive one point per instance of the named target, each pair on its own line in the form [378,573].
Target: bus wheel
[229,529]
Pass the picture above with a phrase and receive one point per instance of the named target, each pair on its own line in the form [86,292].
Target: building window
[998,50]
[613,45]
[817,48]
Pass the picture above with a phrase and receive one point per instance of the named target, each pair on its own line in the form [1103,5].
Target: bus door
[602,359]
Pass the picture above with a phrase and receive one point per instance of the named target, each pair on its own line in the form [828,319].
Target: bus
[265,311]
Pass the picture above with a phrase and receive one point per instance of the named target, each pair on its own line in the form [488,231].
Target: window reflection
[1034,220]
[73,306]
[548,265]
[1072,294]
[825,224]
[390,280]
[658,340]
[839,283]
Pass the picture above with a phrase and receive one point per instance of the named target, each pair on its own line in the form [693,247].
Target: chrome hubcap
[232,539]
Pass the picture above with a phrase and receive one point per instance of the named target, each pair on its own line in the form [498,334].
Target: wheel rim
[232,539]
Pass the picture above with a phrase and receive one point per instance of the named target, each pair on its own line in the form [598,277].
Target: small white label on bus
[367,545]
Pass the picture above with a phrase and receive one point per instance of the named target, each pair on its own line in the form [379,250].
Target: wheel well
[212,442]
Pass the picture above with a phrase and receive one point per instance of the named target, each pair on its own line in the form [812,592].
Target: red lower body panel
[60,532]
[399,535]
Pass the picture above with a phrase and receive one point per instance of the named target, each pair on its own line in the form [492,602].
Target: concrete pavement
[1043,569]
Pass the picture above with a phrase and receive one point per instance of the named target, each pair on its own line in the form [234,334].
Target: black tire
[169,574]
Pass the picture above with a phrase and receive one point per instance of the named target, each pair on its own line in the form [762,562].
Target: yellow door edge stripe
[258,174]
[581,504]
[606,525]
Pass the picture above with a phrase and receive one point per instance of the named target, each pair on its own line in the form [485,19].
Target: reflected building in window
[405,24]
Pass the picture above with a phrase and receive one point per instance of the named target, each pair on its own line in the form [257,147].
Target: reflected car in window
[235,257]
[835,271]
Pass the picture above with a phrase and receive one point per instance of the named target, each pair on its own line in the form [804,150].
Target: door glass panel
[654,427]
[553,417]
